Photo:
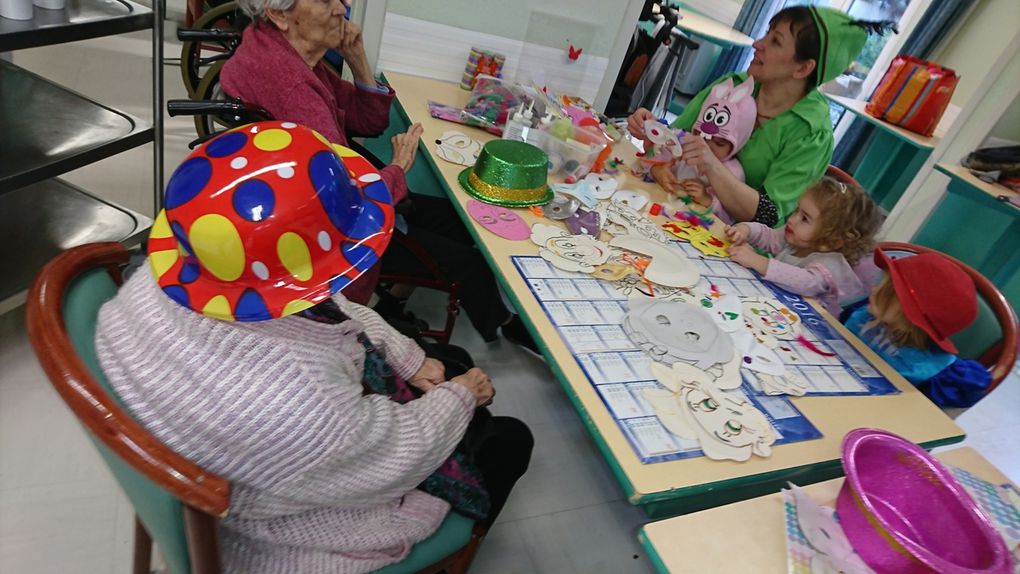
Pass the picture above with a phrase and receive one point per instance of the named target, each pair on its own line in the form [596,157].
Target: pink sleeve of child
[807,281]
[765,238]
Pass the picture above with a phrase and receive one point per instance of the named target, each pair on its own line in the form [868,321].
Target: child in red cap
[922,301]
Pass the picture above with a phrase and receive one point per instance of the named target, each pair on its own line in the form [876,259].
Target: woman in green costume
[792,142]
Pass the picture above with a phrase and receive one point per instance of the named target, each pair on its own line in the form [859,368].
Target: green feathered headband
[841,39]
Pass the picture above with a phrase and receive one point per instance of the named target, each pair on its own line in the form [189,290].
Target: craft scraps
[584,222]
[824,545]
[569,252]
[561,207]
[581,191]
[456,147]
[499,220]
[699,237]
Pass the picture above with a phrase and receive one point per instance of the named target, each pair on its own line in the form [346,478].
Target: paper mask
[772,318]
[458,148]
[668,267]
[833,552]
[671,332]
[602,186]
[632,221]
[726,425]
[632,286]
[636,200]
[726,309]
[499,220]
[699,237]
[569,252]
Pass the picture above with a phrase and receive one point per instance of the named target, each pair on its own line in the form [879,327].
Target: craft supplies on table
[589,313]
[481,62]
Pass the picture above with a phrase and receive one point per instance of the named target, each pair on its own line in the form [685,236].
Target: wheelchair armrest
[202,107]
[208,35]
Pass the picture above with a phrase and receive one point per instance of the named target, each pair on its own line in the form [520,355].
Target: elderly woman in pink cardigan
[279,66]
[236,347]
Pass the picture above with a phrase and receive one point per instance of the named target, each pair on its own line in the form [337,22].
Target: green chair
[992,338]
[177,503]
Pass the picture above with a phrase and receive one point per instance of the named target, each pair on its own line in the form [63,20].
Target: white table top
[755,537]
[711,30]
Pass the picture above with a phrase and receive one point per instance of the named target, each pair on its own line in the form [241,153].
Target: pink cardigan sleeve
[765,238]
[807,281]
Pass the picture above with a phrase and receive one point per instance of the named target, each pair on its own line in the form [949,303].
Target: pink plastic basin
[905,513]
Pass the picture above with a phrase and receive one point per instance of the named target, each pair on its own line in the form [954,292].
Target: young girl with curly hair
[822,250]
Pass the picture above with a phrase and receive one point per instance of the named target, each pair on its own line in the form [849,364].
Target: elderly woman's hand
[405,147]
[698,154]
[351,46]
[479,384]
[430,374]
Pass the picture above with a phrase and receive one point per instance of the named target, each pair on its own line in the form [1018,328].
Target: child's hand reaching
[695,189]
[738,233]
[745,255]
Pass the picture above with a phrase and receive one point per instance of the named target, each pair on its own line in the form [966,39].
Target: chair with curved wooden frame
[177,503]
[840,175]
[992,338]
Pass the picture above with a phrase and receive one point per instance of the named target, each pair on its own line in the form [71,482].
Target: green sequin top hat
[841,39]
[509,173]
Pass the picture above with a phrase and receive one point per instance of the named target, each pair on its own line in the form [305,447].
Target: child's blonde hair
[849,219]
[901,331]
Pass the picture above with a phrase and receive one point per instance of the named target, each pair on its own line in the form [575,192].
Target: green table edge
[975,194]
[653,555]
[668,502]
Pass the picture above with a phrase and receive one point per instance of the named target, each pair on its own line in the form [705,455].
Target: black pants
[501,445]
[434,224]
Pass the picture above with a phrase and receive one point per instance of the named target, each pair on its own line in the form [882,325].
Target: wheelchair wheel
[209,89]
[198,56]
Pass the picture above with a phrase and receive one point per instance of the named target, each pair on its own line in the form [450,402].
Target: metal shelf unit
[51,130]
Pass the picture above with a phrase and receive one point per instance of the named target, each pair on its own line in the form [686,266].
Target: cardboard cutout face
[726,425]
[499,220]
[456,147]
[569,252]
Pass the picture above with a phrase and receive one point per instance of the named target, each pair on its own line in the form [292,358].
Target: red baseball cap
[934,293]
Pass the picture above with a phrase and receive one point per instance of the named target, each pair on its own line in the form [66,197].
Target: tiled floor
[61,512]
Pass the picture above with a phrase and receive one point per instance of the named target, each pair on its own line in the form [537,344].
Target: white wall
[976,44]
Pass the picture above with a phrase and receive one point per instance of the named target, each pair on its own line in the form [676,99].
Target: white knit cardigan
[323,479]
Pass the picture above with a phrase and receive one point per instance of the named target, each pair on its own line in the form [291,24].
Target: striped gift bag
[913,94]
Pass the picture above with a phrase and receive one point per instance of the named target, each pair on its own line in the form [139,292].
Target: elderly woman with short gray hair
[279,67]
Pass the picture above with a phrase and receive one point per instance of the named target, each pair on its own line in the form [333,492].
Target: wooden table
[755,535]
[681,485]
[893,156]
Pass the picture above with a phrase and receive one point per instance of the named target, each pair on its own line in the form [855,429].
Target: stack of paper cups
[16,9]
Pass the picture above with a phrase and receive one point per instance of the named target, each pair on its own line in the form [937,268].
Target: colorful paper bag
[913,94]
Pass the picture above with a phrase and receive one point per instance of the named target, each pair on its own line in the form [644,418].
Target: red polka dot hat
[267,220]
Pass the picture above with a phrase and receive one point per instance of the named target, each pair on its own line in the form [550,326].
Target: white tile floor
[62,513]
